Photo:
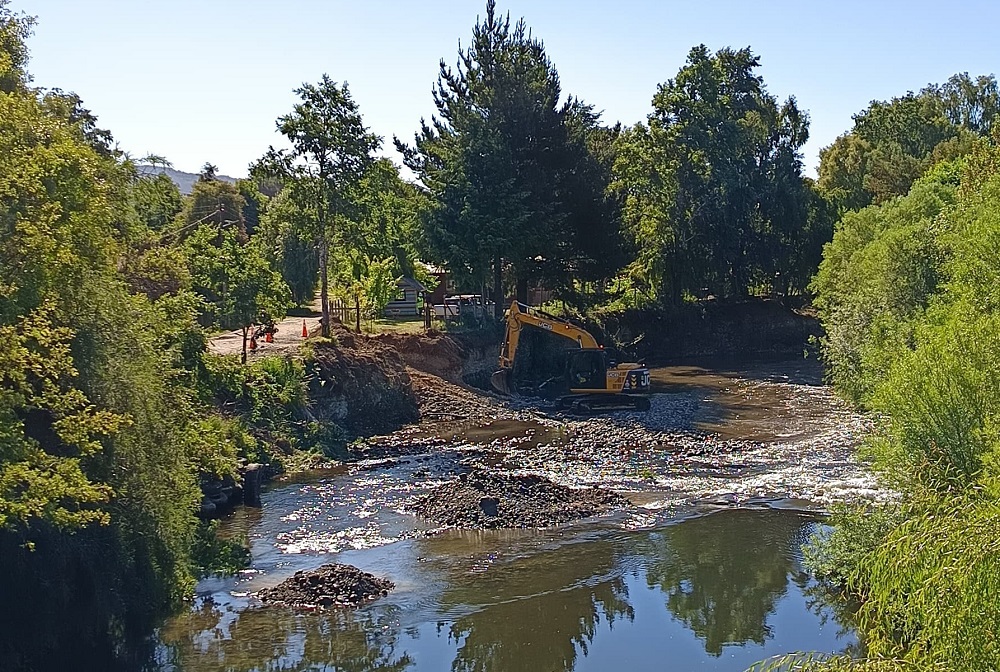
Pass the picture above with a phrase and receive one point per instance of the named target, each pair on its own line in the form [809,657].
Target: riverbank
[757,429]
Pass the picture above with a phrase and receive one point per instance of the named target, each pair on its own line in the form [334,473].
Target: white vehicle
[456,305]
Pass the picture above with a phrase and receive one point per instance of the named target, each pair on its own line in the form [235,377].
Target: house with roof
[405,303]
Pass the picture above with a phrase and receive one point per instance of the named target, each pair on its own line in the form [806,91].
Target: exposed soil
[750,431]
[334,585]
[489,499]
[362,385]
[433,352]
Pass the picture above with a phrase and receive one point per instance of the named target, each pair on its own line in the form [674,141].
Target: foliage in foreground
[928,362]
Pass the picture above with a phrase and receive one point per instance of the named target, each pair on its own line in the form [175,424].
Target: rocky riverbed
[770,430]
[334,585]
[491,500]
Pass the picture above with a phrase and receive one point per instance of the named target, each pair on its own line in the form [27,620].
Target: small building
[405,303]
[443,287]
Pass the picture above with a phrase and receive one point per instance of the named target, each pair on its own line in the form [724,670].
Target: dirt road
[287,338]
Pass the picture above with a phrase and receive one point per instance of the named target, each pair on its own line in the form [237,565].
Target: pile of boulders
[335,585]
[493,499]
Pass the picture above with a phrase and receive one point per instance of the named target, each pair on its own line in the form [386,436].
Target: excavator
[592,379]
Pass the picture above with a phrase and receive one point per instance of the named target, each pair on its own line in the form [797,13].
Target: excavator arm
[517,317]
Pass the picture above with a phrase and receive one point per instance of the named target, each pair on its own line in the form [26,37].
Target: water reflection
[537,613]
[716,592]
[214,639]
[722,575]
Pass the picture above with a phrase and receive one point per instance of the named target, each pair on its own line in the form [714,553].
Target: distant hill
[184,181]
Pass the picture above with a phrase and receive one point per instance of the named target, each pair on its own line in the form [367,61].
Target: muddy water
[705,572]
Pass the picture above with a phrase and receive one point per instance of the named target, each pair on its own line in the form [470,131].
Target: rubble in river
[492,499]
[334,585]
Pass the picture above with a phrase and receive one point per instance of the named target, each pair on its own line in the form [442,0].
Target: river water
[729,473]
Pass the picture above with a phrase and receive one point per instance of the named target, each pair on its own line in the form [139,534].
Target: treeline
[111,412]
[528,188]
[909,293]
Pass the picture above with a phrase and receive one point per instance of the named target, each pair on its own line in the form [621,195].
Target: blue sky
[205,81]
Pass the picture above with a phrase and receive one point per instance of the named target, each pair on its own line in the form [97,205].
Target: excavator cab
[587,369]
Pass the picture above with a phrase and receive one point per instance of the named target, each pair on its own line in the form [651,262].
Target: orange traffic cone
[253,343]
[305,332]
[268,337]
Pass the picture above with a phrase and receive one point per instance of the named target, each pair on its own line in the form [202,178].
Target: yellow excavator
[592,381]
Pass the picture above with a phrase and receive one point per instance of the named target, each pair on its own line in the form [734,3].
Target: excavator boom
[520,315]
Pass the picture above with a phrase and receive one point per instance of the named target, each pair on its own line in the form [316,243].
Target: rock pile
[334,585]
[488,499]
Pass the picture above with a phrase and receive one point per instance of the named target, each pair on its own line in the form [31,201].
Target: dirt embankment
[465,358]
[362,385]
[448,373]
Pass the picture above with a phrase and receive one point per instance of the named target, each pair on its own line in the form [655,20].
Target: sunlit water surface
[681,582]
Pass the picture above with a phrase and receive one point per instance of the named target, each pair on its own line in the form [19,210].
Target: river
[730,473]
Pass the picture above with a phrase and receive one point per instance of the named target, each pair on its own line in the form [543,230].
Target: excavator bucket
[501,381]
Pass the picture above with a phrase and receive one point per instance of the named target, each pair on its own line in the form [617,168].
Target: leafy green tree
[48,427]
[255,204]
[97,492]
[286,235]
[213,201]
[590,246]
[14,31]
[156,200]
[908,295]
[972,103]
[379,286]
[236,279]
[713,190]
[331,151]
[877,275]
[895,142]
[157,271]
[388,213]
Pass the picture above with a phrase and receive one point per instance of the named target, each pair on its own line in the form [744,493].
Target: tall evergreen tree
[496,159]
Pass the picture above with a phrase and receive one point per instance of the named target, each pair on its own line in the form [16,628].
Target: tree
[14,31]
[94,447]
[236,279]
[216,202]
[713,190]
[497,161]
[286,234]
[331,150]
[971,103]
[895,142]
[156,200]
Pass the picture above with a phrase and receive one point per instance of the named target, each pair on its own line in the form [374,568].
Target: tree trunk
[498,301]
[522,290]
[357,312]
[243,359]
[324,289]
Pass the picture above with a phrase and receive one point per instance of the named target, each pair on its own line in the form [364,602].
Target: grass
[403,325]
